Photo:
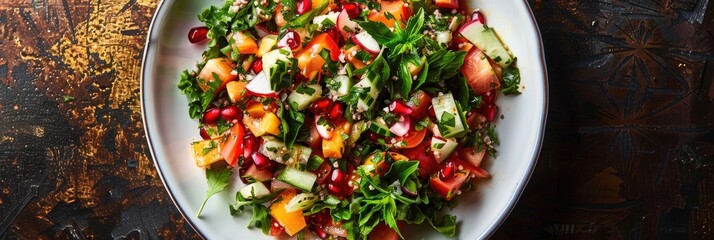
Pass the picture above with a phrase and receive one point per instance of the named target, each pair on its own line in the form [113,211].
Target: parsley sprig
[218,179]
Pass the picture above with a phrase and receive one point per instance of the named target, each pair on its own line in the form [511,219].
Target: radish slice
[344,22]
[260,86]
[401,128]
[261,30]
[326,132]
[367,42]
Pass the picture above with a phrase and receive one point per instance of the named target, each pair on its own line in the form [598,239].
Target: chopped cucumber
[302,180]
[369,84]
[339,85]
[443,147]
[357,130]
[254,190]
[449,116]
[314,163]
[277,151]
[301,202]
[270,59]
[304,95]
[487,40]
[379,127]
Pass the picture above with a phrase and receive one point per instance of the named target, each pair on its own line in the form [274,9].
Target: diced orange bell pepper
[253,124]
[293,222]
[350,56]
[396,8]
[270,123]
[333,147]
[309,60]
[255,109]
[243,44]
[222,67]
[236,90]
[206,152]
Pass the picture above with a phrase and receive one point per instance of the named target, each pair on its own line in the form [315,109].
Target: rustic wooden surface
[628,152]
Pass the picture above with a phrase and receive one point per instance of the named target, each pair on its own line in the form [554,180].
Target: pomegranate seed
[400,108]
[304,6]
[241,173]
[430,111]
[489,111]
[336,111]
[335,35]
[211,116]
[246,162]
[489,97]
[291,40]
[448,171]
[204,134]
[275,228]
[197,34]
[230,113]
[321,106]
[318,218]
[337,176]
[257,66]
[478,16]
[319,232]
[250,145]
[335,189]
[372,136]
[261,161]
[352,9]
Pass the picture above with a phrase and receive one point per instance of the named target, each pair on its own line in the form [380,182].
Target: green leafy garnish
[260,218]
[511,81]
[218,179]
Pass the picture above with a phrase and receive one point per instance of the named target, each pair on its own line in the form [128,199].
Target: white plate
[169,130]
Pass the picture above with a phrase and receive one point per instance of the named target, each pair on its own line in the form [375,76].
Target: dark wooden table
[628,152]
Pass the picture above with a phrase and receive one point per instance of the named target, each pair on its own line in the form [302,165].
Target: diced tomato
[472,155]
[419,102]
[323,172]
[233,146]
[477,172]
[478,72]
[412,139]
[451,4]
[383,232]
[449,188]
[427,163]
[275,228]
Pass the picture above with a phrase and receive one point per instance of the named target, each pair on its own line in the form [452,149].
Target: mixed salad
[346,119]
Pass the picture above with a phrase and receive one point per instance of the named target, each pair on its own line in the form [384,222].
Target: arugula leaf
[511,81]
[218,179]
[260,218]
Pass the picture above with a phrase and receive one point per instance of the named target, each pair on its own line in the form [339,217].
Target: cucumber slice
[314,163]
[369,97]
[443,147]
[304,95]
[357,130]
[256,189]
[487,40]
[271,58]
[301,202]
[448,116]
[275,150]
[339,85]
[302,180]
[377,126]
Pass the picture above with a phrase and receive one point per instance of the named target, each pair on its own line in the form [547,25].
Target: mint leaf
[218,179]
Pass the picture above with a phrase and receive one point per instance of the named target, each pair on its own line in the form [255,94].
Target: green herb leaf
[402,170]
[291,122]
[511,81]
[218,179]
[444,64]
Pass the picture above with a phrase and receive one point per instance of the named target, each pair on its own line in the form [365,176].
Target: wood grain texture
[628,152]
